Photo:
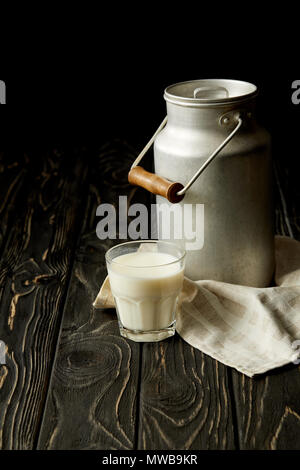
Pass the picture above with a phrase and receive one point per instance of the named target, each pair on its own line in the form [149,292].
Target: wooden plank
[33,276]
[93,394]
[185,400]
[267,407]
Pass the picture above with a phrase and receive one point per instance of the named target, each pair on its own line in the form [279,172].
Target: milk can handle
[156,184]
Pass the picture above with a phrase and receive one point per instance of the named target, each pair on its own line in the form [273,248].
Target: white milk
[145,296]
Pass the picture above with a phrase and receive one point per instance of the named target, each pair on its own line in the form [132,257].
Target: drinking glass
[146,278]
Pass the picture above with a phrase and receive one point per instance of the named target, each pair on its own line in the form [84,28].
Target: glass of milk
[146,278]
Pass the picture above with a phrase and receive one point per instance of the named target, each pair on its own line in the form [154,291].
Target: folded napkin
[251,329]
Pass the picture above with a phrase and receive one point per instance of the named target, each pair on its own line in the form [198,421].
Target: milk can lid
[209,92]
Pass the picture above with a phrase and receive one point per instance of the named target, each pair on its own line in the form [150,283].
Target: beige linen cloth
[251,329]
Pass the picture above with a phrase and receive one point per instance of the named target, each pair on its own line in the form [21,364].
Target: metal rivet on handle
[225,120]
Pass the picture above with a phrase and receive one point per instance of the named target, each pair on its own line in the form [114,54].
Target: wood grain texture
[267,407]
[268,410]
[92,397]
[34,270]
[185,401]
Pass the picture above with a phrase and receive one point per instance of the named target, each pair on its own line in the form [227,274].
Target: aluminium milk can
[211,153]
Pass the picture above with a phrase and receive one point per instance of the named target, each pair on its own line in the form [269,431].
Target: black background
[102,76]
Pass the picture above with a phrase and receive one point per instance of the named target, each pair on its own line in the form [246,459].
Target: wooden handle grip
[155,184]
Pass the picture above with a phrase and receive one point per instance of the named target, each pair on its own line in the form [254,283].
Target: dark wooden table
[70,381]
